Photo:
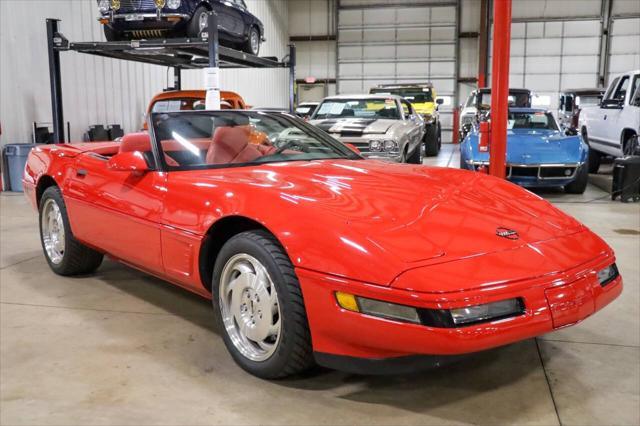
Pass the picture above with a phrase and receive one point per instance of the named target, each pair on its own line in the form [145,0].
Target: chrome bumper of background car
[538,171]
[142,16]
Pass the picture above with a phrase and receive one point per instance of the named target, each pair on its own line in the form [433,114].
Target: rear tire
[252,44]
[278,355]
[65,255]
[431,141]
[579,184]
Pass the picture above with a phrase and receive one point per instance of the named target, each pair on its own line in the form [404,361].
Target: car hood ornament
[507,233]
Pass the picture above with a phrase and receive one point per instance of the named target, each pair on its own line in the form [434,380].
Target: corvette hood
[415,213]
[536,147]
[354,125]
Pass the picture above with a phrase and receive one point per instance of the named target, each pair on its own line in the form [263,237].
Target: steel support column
[55,81]
[483,43]
[292,77]
[500,86]
[177,78]
[212,74]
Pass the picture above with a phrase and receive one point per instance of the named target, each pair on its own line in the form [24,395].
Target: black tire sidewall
[431,140]
[579,185]
[273,366]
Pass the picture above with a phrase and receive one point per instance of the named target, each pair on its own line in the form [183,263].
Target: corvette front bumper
[362,343]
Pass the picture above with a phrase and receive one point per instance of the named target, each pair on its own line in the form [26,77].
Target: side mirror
[570,132]
[352,147]
[612,103]
[128,162]
[439,101]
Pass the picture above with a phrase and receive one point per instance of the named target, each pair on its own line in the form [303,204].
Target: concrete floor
[120,347]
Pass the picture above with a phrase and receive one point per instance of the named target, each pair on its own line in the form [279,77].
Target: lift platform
[177,53]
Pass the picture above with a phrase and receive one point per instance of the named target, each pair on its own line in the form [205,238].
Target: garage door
[380,44]
[624,50]
[547,57]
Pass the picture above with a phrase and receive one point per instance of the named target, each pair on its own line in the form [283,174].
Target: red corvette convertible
[312,254]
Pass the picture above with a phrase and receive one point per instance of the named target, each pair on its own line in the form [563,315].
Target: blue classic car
[137,19]
[539,154]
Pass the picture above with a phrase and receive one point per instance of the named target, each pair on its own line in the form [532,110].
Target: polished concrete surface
[123,348]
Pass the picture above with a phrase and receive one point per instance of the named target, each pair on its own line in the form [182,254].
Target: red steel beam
[500,87]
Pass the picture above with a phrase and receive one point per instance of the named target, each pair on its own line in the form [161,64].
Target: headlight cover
[440,318]
[375,145]
[390,145]
[608,274]
[104,6]
[173,4]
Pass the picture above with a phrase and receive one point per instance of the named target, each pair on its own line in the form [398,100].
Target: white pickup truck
[609,127]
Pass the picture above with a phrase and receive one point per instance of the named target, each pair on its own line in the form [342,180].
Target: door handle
[81,172]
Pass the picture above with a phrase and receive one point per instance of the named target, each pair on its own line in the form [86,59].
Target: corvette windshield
[531,120]
[358,108]
[194,140]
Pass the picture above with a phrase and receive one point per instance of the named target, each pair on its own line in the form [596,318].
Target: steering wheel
[293,143]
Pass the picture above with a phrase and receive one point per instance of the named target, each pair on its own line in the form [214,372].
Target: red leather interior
[231,145]
[141,142]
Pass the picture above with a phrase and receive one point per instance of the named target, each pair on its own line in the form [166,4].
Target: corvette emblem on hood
[507,233]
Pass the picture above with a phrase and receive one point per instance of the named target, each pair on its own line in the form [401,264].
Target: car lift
[179,53]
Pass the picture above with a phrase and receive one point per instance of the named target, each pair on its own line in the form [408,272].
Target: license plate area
[570,303]
[133,17]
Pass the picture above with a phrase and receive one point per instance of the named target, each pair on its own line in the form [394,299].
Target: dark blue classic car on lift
[138,19]
[539,154]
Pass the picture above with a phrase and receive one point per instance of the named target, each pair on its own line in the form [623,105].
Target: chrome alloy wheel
[52,227]
[255,42]
[203,20]
[249,307]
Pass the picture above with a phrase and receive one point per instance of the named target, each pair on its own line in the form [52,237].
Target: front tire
[579,185]
[431,141]
[260,307]
[594,157]
[65,255]
[416,155]
[198,22]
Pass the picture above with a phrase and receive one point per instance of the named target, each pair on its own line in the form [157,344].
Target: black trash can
[15,158]
[626,179]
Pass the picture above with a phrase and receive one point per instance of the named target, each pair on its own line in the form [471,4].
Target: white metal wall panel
[547,57]
[100,90]
[541,9]
[624,52]
[398,43]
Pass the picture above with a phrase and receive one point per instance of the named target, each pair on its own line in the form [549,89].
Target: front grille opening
[557,172]
[524,171]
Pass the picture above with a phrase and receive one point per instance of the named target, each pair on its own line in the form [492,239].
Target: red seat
[231,145]
[140,141]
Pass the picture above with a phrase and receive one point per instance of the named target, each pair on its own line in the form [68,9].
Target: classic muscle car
[190,100]
[137,19]
[379,126]
[311,253]
[539,154]
[422,97]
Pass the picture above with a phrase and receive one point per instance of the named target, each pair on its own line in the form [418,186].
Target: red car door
[117,211]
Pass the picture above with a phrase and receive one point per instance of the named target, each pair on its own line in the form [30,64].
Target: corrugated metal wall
[104,91]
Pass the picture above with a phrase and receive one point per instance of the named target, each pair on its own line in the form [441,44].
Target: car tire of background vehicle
[416,155]
[291,353]
[193,28]
[579,184]
[439,137]
[431,141]
[252,44]
[593,159]
[111,35]
[65,255]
